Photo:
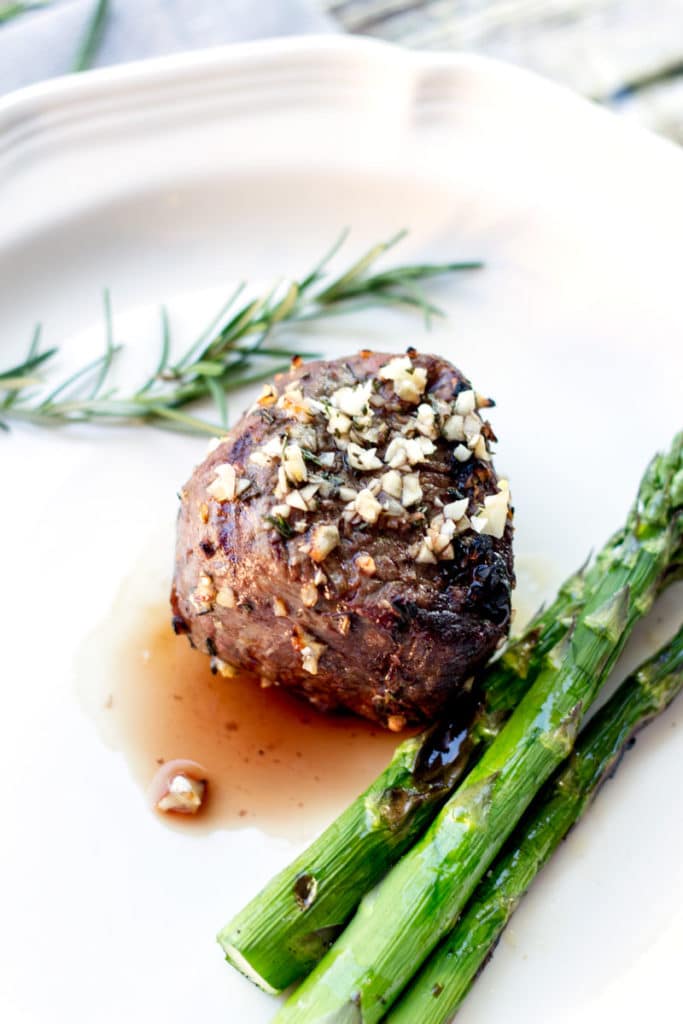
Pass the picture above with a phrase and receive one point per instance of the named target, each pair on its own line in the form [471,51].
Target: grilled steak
[349,539]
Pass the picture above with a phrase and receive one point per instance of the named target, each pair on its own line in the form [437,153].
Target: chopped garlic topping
[325,538]
[366,565]
[412,492]
[492,518]
[226,597]
[363,459]
[309,594]
[311,653]
[367,506]
[295,404]
[409,381]
[424,555]
[456,509]
[296,500]
[214,443]
[224,487]
[465,403]
[354,401]
[203,594]
[453,428]
[392,483]
[279,608]
[337,422]
[411,450]
[461,453]
[293,463]
[425,421]
[480,449]
[347,493]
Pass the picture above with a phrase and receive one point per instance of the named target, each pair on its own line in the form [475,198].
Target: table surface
[626,53]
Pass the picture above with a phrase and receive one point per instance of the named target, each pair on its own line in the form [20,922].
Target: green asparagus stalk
[286,929]
[418,902]
[440,987]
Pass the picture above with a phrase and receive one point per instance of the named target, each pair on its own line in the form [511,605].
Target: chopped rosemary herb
[281,525]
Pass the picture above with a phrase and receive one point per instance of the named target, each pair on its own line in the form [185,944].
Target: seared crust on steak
[339,541]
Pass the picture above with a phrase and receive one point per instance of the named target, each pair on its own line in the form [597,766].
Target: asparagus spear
[400,921]
[286,929]
[440,987]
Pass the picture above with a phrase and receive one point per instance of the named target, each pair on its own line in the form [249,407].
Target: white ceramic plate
[170,181]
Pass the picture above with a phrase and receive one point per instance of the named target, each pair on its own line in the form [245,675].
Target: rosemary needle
[92,38]
[236,349]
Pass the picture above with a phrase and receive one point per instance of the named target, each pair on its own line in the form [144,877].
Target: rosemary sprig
[11,10]
[233,351]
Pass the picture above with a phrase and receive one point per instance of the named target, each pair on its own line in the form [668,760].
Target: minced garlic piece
[258,458]
[223,668]
[227,485]
[226,597]
[411,450]
[343,625]
[309,595]
[409,381]
[279,608]
[214,443]
[392,483]
[366,565]
[453,428]
[337,422]
[295,500]
[268,395]
[455,510]
[347,493]
[480,449]
[293,463]
[325,538]
[363,459]
[412,492]
[465,402]
[396,723]
[203,594]
[461,453]
[183,795]
[492,518]
[425,555]
[311,652]
[367,506]
[267,452]
[354,401]
[294,403]
[425,421]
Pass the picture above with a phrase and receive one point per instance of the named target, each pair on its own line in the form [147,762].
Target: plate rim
[39,104]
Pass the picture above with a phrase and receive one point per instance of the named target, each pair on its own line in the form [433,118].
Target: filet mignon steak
[349,539]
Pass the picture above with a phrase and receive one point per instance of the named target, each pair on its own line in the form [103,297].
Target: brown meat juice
[270,760]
